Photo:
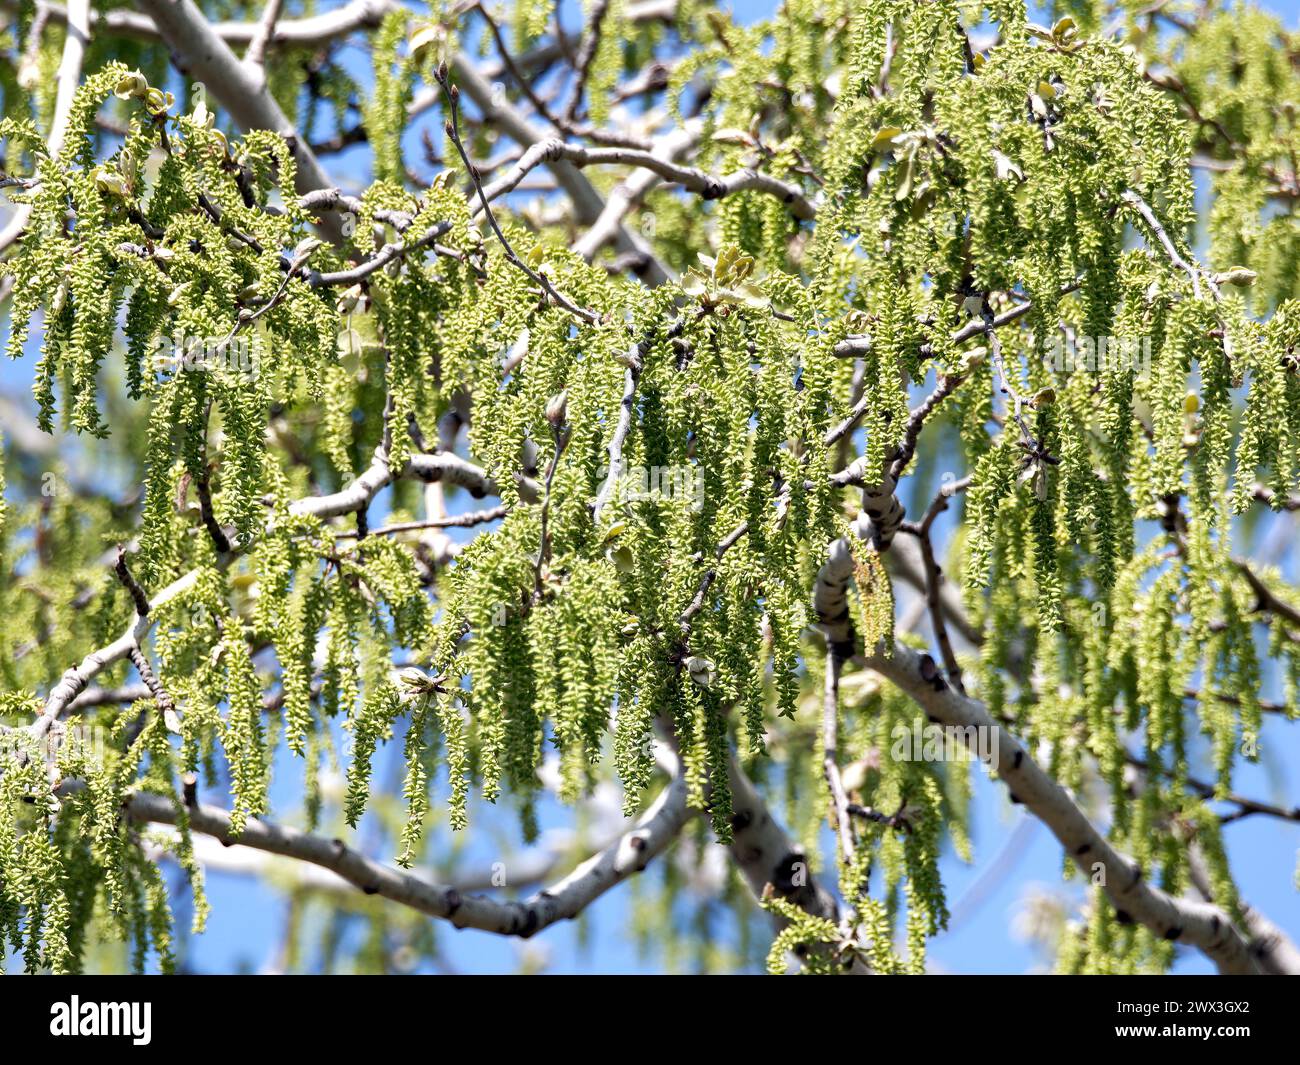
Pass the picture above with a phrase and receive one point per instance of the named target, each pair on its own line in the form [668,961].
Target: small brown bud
[557,409]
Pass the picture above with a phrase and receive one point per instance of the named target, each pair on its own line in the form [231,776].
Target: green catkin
[371,723]
[384,115]
[244,737]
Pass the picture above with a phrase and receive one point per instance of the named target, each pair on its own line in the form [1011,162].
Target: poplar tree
[478,405]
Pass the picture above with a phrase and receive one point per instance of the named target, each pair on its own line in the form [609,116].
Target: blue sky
[1014,854]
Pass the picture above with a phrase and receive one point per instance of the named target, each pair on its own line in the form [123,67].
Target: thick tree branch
[766,855]
[74,50]
[648,836]
[240,87]
[1201,925]
[586,54]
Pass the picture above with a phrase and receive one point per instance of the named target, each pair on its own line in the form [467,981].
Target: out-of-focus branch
[313,31]
[240,88]
[831,760]
[265,34]
[74,52]
[586,54]
[1276,953]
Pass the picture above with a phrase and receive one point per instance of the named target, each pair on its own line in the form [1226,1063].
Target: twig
[897,820]
[626,194]
[588,204]
[686,619]
[132,586]
[1245,807]
[1266,495]
[453,131]
[934,580]
[853,346]
[1004,381]
[1268,706]
[203,491]
[380,259]
[456,521]
[448,468]
[1267,601]
[635,360]
[945,387]
[155,687]
[1149,217]
[240,87]
[586,54]
[256,54]
[561,438]
[848,846]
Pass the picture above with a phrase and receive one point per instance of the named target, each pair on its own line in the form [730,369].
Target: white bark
[648,836]
[1182,920]
[240,87]
[74,52]
[310,32]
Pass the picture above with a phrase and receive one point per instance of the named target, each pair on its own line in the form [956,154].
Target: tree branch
[256,54]
[77,18]
[314,31]
[587,202]
[1202,925]
[1276,953]
[240,87]
[649,836]
[706,185]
